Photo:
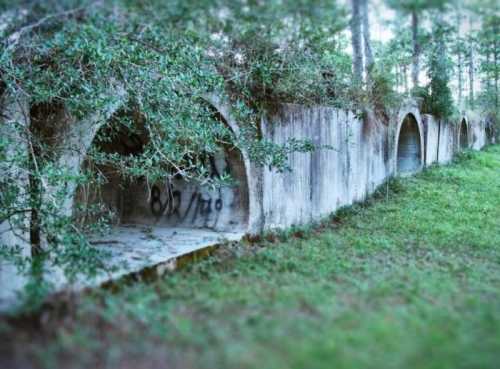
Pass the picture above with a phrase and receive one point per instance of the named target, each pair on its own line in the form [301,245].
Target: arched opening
[167,204]
[490,133]
[409,155]
[464,135]
[490,130]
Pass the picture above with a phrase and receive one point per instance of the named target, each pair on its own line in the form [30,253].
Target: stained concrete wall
[478,137]
[355,156]
[188,204]
[440,140]
[432,131]
[448,139]
[14,232]
[445,139]
[324,180]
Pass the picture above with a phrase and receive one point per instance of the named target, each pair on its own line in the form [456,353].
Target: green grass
[411,280]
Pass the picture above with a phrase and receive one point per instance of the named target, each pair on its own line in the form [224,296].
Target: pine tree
[415,8]
[356,41]
[439,100]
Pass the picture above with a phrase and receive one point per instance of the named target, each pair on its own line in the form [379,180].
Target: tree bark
[356,42]
[459,55]
[487,76]
[416,49]
[367,38]
[495,70]
[405,78]
[460,81]
[471,75]
[396,70]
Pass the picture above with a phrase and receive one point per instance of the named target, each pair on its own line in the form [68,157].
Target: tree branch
[13,39]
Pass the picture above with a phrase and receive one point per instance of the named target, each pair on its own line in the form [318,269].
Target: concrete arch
[490,132]
[409,142]
[463,134]
[178,203]
[253,172]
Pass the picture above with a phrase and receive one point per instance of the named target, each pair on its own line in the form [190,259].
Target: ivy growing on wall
[66,65]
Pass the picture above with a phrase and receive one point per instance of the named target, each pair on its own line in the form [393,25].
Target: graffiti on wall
[185,203]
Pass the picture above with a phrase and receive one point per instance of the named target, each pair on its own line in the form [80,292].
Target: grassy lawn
[409,280]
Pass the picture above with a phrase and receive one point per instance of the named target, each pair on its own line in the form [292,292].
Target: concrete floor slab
[131,249]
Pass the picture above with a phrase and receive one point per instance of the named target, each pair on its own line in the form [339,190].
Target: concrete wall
[223,208]
[440,140]
[478,137]
[445,139]
[356,154]
[14,232]
[432,132]
[363,154]
[324,180]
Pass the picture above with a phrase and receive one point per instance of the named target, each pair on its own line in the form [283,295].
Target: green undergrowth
[410,279]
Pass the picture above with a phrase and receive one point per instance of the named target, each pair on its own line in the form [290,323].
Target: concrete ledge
[132,249]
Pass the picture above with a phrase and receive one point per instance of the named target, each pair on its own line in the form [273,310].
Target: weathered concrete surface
[355,156]
[14,127]
[445,139]
[326,179]
[431,127]
[176,202]
[441,140]
[447,142]
[477,132]
[253,171]
[131,249]
[14,232]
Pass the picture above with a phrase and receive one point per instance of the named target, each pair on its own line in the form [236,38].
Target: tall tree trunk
[487,76]
[471,75]
[405,77]
[416,48]
[460,80]
[357,54]
[396,70]
[367,39]
[495,70]
[459,54]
